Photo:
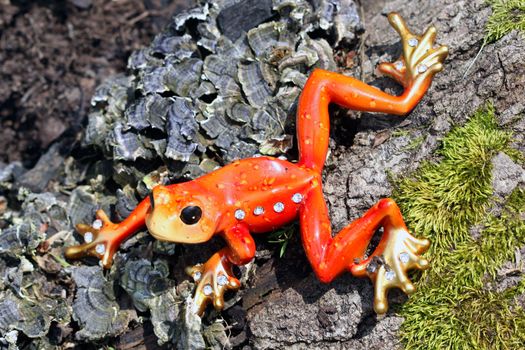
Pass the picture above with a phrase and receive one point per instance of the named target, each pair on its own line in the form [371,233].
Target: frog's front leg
[387,267]
[104,237]
[215,276]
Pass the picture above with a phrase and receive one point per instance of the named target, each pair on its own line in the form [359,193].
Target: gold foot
[400,253]
[419,58]
[214,278]
[99,241]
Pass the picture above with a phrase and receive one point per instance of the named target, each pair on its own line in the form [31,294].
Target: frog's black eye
[191,215]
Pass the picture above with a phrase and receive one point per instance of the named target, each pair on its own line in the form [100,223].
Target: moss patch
[414,143]
[507,15]
[454,308]
[442,200]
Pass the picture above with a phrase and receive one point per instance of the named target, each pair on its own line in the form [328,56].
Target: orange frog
[260,194]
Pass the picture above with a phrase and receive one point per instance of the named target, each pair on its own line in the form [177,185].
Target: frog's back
[259,174]
[260,182]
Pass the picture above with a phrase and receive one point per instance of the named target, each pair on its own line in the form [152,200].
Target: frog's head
[182,214]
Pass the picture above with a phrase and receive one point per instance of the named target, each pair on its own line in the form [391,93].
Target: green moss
[414,143]
[442,200]
[400,132]
[282,237]
[454,308]
[507,15]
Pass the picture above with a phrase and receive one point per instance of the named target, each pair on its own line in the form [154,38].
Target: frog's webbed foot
[420,60]
[213,279]
[99,241]
[401,252]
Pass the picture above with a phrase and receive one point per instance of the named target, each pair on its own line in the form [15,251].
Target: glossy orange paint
[261,194]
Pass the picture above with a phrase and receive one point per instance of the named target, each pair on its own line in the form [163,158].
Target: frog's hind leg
[414,70]
[396,253]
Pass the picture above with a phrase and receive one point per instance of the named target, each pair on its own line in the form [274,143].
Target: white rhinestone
[207,290]
[258,211]
[240,214]
[197,275]
[389,275]
[398,65]
[413,42]
[282,158]
[421,68]
[100,248]
[97,224]
[88,237]
[278,207]
[222,280]
[404,257]
[371,267]
[297,198]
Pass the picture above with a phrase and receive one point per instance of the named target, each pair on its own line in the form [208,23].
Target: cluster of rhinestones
[222,280]
[278,207]
[413,42]
[374,264]
[390,274]
[89,236]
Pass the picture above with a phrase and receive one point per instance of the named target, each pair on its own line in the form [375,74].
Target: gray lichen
[144,280]
[95,307]
[28,318]
[215,85]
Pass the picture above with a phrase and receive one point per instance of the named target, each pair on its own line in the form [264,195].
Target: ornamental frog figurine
[261,194]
